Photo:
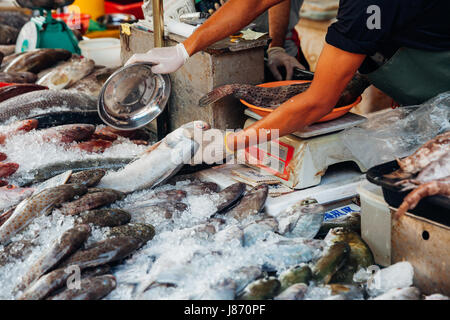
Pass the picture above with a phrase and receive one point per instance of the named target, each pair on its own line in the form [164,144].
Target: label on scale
[274,159]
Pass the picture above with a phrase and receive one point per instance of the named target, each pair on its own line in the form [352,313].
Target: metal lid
[133,96]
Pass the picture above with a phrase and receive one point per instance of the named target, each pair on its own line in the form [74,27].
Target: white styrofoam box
[375,222]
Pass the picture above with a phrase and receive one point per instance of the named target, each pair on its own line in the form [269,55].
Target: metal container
[435,208]
[133,96]
[114,20]
[424,243]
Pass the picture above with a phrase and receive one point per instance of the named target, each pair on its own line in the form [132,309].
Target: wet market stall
[104,171]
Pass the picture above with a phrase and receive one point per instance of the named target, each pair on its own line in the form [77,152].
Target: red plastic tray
[133,8]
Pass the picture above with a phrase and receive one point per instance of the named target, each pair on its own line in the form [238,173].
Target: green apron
[413,76]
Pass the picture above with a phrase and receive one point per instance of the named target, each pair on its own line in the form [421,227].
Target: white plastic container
[104,51]
[375,222]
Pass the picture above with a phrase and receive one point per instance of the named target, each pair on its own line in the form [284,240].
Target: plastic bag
[391,134]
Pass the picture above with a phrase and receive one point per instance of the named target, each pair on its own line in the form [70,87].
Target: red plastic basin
[133,8]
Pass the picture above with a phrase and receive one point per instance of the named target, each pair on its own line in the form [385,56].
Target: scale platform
[301,159]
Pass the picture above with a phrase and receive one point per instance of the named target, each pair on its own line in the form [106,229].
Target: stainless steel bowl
[133,96]
[45,4]
[114,20]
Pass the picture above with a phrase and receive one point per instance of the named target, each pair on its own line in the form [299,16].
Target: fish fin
[217,94]
[153,147]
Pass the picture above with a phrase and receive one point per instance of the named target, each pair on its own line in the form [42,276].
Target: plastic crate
[133,8]
[375,222]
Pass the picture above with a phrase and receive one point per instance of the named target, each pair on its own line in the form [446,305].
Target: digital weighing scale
[302,158]
[45,31]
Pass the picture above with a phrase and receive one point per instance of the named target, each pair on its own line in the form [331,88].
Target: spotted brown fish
[275,96]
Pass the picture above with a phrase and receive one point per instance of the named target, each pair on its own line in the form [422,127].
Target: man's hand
[166,60]
[277,57]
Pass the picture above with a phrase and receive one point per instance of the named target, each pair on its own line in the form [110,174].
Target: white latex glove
[167,59]
[277,57]
[213,149]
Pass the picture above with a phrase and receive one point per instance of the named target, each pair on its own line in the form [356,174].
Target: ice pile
[397,276]
[31,151]
[32,243]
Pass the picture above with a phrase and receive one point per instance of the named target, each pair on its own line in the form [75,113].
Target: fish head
[190,129]
[27,125]
[17,191]
[308,201]
[76,132]
[77,189]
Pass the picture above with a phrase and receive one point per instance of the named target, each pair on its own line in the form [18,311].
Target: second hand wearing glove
[166,60]
[214,147]
[277,57]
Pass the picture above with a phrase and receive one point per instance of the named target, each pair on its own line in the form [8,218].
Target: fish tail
[217,94]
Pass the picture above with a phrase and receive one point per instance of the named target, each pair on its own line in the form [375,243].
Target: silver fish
[303,219]
[37,60]
[9,197]
[92,84]
[158,163]
[66,73]
[23,105]
[51,170]
[251,204]
[229,196]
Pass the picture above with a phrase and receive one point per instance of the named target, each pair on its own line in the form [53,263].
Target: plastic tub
[375,221]
[334,114]
[134,8]
[104,51]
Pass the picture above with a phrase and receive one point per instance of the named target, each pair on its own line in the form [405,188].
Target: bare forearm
[308,107]
[229,19]
[279,23]
[291,116]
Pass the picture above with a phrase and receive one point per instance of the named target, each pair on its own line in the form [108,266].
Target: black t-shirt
[417,24]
